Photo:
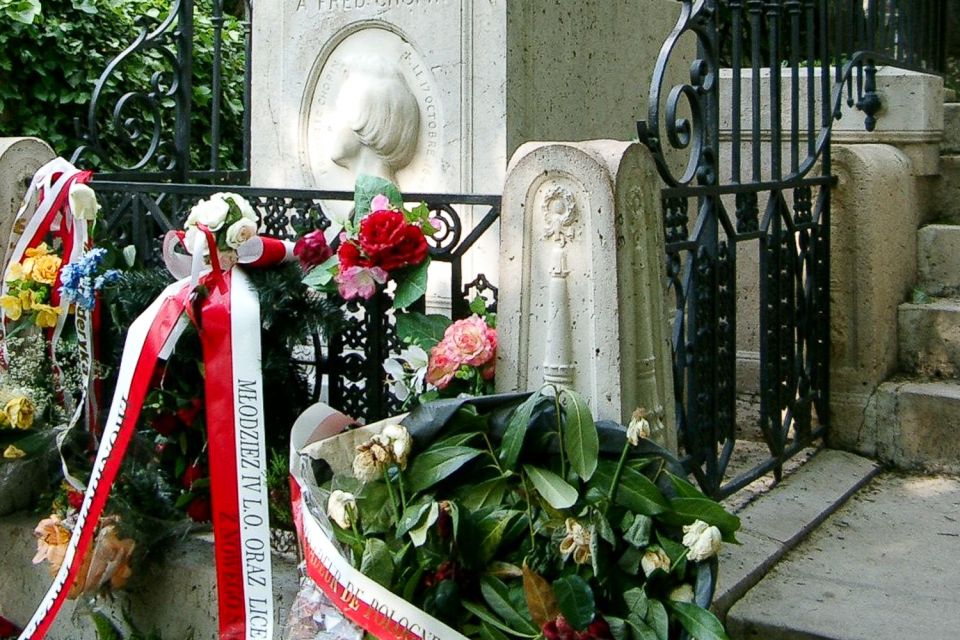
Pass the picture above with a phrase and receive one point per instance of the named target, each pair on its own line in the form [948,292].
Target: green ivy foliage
[53,51]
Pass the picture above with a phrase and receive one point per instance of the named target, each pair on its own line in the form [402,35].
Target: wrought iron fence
[745,155]
[350,364]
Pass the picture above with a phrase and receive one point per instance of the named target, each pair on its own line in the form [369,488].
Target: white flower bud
[655,558]
[639,427]
[342,508]
[365,466]
[240,231]
[702,540]
[242,204]
[83,202]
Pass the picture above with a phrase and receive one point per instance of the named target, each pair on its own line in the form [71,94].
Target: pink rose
[312,250]
[380,202]
[360,282]
[442,366]
[472,340]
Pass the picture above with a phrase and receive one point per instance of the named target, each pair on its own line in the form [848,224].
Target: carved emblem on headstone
[560,214]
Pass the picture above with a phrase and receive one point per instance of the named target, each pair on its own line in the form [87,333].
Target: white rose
[683,593]
[83,202]
[702,540]
[211,213]
[655,558]
[365,466]
[245,209]
[639,427]
[240,231]
[342,508]
[400,442]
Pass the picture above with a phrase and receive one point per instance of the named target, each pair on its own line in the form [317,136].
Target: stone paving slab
[776,521]
[885,566]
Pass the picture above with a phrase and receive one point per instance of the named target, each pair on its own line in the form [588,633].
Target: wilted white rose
[655,558]
[83,202]
[342,508]
[371,457]
[683,593]
[702,540]
[576,542]
[400,442]
[639,427]
[240,231]
[242,204]
[212,213]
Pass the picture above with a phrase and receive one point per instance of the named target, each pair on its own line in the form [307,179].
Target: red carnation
[312,250]
[74,498]
[165,424]
[390,242]
[188,414]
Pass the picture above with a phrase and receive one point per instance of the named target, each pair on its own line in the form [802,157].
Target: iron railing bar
[747,187]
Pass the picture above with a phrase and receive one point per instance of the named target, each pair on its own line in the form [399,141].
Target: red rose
[312,250]
[199,510]
[165,424]
[193,473]
[390,242]
[350,256]
[188,414]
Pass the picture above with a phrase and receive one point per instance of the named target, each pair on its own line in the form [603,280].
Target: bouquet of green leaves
[509,519]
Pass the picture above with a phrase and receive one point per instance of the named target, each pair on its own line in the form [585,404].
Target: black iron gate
[745,154]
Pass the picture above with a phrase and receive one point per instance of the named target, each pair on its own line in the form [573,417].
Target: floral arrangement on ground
[528,520]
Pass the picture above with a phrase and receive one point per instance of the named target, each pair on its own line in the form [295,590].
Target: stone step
[946,193]
[877,569]
[915,424]
[951,128]
[938,259]
[929,338]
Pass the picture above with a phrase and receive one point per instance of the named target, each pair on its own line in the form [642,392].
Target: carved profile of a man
[376,120]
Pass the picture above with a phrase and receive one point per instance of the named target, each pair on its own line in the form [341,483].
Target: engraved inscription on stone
[371,107]
[348,5]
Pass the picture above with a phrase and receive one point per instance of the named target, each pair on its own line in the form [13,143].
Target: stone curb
[777,521]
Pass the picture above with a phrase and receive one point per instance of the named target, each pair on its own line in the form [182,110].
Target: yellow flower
[20,412]
[46,315]
[12,307]
[12,453]
[45,269]
[40,250]
[15,272]
[26,269]
[26,299]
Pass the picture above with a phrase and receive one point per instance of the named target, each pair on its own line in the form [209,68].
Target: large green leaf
[434,465]
[413,514]
[635,491]
[516,431]
[322,274]
[412,286]
[580,438]
[575,599]
[481,612]
[484,494]
[367,187]
[690,509]
[492,529]
[699,623]
[377,563]
[422,330]
[637,603]
[554,489]
[497,596]
[658,619]
[418,534]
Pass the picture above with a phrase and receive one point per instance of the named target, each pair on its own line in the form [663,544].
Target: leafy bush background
[53,51]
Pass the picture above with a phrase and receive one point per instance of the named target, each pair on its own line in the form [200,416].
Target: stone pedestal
[872,270]
[19,160]
[582,293]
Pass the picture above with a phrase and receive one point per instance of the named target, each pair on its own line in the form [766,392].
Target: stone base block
[951,128]
[915,425]
[946,200]
[930,338]
[938,259]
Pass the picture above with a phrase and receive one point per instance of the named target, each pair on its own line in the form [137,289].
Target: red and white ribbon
[365,602]
[229,327]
